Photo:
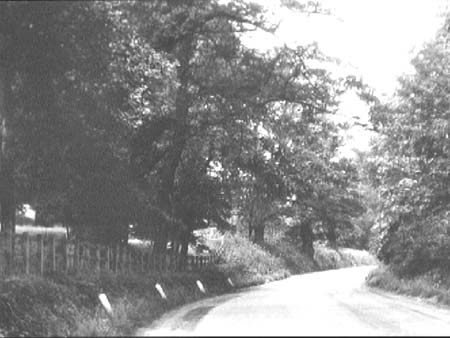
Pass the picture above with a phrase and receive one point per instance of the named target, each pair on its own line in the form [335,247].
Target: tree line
[156,114]
[409,165]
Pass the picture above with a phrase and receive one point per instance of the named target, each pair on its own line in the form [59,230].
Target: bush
[293,258]
[248,263]
[418,246]
[327,258]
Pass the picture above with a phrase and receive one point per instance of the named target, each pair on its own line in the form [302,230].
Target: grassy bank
[249,264]
[61,305]
[68,305]
[433,286]
[325,258]
[336,258]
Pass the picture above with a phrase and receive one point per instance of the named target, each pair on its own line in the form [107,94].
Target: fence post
[153,262]
[53,253]
[161,262]
[108,258]
[41,253]
[2,253]
[175,261]
[97,258]
[88,257]
[146,255]
[130,260]
[156,262]
[83,253]
[76,255]
[65,245]
[117,257]
[9,253]
[149,261]
[167,262]
[26,252]
[124,259]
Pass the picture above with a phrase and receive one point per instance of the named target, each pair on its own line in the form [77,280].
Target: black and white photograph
[224,168]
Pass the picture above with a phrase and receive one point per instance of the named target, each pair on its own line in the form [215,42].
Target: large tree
[64,98]
[411,164]
[201,38]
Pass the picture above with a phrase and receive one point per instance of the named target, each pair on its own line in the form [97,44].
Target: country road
[333,302]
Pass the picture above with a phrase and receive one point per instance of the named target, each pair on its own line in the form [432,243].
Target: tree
[411,167]
[202,38]
[28,47]
[63,98]
[155,114]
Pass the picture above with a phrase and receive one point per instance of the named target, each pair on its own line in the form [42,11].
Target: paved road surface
[333,302]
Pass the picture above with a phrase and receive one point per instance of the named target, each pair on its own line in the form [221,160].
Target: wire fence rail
[42,254]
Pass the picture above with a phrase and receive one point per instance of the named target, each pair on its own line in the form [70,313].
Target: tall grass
[280,258]
[294,260]
[433,286]
[61,305]
[328,258]
[67,305]
[248,263]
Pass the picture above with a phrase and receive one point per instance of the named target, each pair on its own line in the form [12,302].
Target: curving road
[333,303]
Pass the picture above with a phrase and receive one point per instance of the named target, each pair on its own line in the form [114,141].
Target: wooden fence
[38,254]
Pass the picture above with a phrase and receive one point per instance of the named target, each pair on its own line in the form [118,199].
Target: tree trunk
[259,235]
[7,186]
[331,235]
[182,103]
[307,237]
[184,249]
[160,240]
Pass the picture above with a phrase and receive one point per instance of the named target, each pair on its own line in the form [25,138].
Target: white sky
[375,39]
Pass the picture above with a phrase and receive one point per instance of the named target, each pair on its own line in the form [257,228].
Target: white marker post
[106,305]
[230,282]
[200,287]
[161,291]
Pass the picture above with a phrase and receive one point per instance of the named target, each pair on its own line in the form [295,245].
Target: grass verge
[62,305]
[433,286]
[65,305]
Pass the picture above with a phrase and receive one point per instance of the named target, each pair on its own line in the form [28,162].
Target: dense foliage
[155,114]
[411,166]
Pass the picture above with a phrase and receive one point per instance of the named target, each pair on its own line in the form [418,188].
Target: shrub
[248,263]
[293,258]
[328,258]
[418,246]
